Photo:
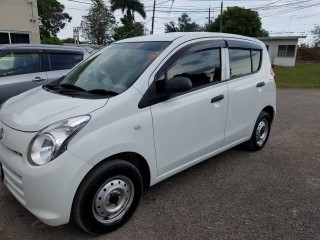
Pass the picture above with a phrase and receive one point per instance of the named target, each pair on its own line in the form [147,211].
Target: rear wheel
[107,197]
[260,132]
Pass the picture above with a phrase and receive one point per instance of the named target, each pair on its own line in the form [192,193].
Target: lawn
[303,75]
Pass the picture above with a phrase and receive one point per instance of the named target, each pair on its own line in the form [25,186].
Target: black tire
[260,133]
[107,197]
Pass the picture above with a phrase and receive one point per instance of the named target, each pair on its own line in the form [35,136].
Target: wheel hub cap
[262,132]
[113,199]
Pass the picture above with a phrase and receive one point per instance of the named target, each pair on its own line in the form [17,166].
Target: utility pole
[209,16]
[154,8]
[76,35]
[221,16]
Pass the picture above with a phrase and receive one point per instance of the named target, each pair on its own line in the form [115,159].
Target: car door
[20,70]
[247,90]
[189,126]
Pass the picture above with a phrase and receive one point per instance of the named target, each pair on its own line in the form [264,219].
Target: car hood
[36,109]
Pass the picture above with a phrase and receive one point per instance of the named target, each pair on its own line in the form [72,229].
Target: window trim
[193,47]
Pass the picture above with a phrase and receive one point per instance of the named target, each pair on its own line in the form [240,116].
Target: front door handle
[261,84]
[38,79]
[217,98]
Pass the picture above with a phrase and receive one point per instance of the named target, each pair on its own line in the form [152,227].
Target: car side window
[77,58]
[243,61]
[201,67]
[256,60]
[15,63]
[240,62]
[60,61]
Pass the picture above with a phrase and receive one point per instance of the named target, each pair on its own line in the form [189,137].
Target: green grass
[303,75]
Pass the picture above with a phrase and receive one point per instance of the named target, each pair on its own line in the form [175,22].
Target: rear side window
[19,63]
[256,56]
[77,58]
[244,61]
[240,62]
[62,61]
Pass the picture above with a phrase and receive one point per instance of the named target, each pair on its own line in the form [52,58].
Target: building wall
[273,52]
[20,16]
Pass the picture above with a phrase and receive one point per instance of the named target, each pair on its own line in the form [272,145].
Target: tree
[98,25]
[52,18]
[184,25]
[51,40]
[316,34]
[128,30]
[128,6]
[239,20]
[67,40]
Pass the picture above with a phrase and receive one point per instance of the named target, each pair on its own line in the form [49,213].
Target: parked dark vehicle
[25,66]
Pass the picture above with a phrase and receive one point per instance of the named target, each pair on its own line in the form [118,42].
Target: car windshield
[111,71]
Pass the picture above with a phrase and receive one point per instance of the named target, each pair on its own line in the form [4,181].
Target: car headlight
[52,141]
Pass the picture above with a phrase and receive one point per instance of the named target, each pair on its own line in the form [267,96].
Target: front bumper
[46,191]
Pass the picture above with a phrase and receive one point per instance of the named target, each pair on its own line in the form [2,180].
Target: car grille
[13,181]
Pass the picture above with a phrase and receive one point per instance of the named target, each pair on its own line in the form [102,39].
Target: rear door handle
[38,79]
[217,98]
[261,84]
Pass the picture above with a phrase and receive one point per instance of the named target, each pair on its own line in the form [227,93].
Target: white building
[282,50]
[19,21]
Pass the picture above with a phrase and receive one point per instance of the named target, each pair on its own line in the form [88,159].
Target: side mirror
[178,84]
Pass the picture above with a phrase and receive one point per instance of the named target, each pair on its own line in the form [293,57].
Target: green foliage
[185,24]
[303,75]
[68,40]
[52,17]
[97,26]
[316,34]
[128,30]
[130,7]
[304,46]
[51,40]
[239,20]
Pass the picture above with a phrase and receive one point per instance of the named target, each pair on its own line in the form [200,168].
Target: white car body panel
[36,109]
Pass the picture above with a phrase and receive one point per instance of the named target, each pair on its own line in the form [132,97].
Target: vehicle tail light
[272,73]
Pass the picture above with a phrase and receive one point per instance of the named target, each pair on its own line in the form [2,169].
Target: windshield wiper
[102,92]
[71,87]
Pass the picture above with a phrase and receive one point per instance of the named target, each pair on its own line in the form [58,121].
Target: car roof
[185,36]
[41,47]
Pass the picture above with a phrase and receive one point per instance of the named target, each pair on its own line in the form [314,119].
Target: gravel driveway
[270,194]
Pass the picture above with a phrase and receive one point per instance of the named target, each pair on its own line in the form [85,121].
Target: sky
[279,17]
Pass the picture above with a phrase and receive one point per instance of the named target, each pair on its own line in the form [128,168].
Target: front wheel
[260,132]
[107,197]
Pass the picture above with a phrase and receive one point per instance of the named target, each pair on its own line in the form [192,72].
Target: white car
[130,116]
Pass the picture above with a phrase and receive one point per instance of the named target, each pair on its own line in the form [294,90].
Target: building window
[4,38]
[19,38]
[286,50]
[14,37]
